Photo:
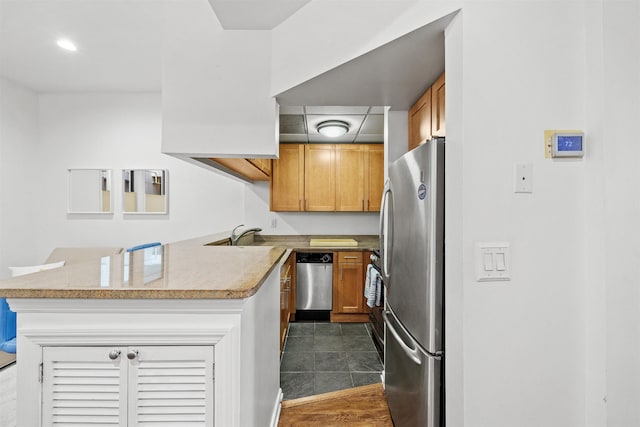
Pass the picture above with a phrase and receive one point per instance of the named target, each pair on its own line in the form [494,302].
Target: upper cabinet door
[374,179]
[420,120]
[320,177]
[437,107]
[287,179]
[350,178]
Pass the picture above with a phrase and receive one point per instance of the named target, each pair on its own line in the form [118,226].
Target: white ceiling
[120,44]
[395,74]
[254,15]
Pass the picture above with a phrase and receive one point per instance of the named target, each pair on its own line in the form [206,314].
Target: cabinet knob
[114,354]
[132,354]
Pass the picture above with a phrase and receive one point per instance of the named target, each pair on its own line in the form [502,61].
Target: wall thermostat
[567,144]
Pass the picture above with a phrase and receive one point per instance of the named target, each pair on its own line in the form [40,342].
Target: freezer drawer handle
[385,252]
[412,353]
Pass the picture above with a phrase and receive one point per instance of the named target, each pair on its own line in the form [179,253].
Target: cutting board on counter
[333,242]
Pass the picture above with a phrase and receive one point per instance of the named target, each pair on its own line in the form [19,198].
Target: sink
[333,242]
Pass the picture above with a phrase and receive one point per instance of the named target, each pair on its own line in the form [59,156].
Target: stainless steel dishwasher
[314,285]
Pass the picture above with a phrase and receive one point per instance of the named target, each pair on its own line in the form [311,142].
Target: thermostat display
[567,145]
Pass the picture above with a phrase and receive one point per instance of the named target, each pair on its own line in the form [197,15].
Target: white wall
[120,131]
[595,231]
[303,48]
[256,213]
[621,252]
[523,341]
[19,175]
[454,212]
[215,86]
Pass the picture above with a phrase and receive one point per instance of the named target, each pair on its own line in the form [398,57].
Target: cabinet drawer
[349,257]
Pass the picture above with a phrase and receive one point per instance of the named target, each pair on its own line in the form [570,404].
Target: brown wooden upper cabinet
[349,178]
[420,120]
[320,177]
[359,177]
[287,179]
[263,164]
[374,176]
[328,177]
[252,169]
[426,116]
[437,107]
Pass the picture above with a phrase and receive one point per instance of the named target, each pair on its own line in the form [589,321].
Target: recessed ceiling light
[333,128]
[67,45]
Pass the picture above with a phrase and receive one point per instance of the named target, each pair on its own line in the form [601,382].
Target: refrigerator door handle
[385,237]
[412,353]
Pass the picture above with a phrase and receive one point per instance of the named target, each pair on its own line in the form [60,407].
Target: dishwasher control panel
[314,257]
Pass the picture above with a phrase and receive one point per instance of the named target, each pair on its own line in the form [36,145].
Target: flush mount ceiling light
[66,45]
[332,128]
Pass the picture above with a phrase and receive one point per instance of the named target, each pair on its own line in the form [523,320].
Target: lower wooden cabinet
[287,295]
[128,386]
[348,285]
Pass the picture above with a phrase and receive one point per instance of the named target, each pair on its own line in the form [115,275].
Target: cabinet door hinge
[41,373]
[213,375]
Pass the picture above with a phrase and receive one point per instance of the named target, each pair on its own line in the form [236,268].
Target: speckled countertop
[198,268]
[303,243]
[165,272]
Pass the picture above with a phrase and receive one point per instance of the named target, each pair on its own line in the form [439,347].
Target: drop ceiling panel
[373,124]
[293,138]
[367,139]
[287,109]
[292,124]
[364,128]
[336,110]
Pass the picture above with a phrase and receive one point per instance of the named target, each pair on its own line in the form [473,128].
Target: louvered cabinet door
[171,386]
[83,386]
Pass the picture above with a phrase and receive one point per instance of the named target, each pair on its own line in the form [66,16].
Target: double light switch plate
[493,262]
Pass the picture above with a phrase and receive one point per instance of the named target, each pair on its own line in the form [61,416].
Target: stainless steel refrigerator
[411,248]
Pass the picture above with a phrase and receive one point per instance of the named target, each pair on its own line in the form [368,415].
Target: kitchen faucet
[236,237]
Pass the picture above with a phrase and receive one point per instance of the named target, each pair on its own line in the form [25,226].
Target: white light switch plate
[493,262]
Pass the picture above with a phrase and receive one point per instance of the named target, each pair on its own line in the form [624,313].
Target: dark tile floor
[320,357]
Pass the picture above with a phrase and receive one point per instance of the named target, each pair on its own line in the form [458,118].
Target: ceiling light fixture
[332,128]
[67,45]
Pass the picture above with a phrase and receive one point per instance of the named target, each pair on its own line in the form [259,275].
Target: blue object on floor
[7,328]
[9,346]
[144,246]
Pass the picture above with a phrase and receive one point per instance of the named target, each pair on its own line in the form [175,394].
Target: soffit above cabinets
[298,124]
[254,15]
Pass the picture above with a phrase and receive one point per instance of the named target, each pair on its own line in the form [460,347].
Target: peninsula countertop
[199,268]
[171,271]
[297,242]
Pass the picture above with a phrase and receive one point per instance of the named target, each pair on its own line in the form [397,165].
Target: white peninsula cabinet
[172,385]
[189,337]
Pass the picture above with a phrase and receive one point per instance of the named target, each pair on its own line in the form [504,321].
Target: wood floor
[364,406]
